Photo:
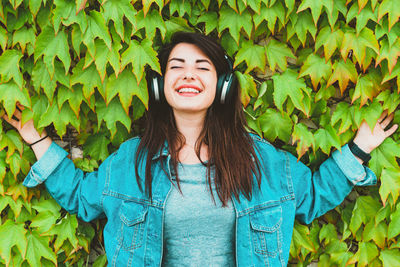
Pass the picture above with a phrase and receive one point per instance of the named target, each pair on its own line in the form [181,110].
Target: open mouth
[188,90]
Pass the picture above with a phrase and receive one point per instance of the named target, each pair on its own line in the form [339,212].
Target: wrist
[365,148]
[359,153]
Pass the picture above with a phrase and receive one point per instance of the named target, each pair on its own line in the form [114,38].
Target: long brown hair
[230,147]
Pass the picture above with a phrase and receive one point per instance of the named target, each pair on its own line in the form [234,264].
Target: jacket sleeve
[74,190]
[325,189]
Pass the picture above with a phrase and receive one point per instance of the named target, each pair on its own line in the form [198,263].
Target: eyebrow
[197,61]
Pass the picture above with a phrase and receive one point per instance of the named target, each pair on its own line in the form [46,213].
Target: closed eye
[203,69]
[175,67]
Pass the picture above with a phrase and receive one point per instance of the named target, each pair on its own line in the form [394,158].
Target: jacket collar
[164,151]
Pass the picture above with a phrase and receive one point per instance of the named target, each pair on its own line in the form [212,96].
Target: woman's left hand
[368,140]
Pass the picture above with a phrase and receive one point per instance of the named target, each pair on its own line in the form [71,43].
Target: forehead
[187,52]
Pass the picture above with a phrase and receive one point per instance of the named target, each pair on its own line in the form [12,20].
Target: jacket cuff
[45,165]
[357,173]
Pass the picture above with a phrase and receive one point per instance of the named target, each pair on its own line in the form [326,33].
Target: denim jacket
[133,234]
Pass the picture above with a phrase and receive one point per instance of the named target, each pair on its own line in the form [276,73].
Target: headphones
[226,82]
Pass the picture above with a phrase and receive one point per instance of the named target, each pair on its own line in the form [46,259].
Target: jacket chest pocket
[265,230]
[132,228]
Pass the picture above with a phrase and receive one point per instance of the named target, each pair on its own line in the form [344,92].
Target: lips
[188,90]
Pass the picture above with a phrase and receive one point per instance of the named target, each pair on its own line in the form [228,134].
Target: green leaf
[252,54]
[147,4]
[10,94]
[34,6]
[65,230]
[247,87]
[16,191]
[384,156]
[88,77]
[390,100]
[362,17]
[390,53]
[96,29]
[234,22]
[104,55]
[287,85]
[112,113]
[390,184]
[44,220]
[394,229]
[304,138]
[326,139]
[51,45]
[301,24]
[316,7]
[12,235]
[364,210]
[391,8]
[210,19]
[39,248]
[140,55]
[390,257]
[9,67]
[330,39]
[328,233]
[176,24]
[23,37]
[96,146]
[119,86]
[367,87]
[358,43]
[301,237]
[180,7]
[276,54]
[376,232]
[41,79]
[281,128]
[74,96]
[101,261]
[3,38]
[59,118]
[343,72]
[342,113]
[316,68]
[370,114]
[151,22]
[382,29]
[12,140]
[366,253]
[115,10]
[270,15]
[47,205]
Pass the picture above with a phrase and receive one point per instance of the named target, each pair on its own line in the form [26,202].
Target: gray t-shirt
[197,231]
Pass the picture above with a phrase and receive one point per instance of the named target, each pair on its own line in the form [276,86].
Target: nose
[188,74]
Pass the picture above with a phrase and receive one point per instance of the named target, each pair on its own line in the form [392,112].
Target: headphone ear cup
[225,84]
[155,84]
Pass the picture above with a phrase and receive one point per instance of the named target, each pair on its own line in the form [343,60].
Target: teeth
[188,90]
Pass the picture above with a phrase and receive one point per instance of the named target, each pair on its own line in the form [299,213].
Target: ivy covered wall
[310,72]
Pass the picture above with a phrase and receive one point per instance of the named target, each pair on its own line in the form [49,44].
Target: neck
[190,125]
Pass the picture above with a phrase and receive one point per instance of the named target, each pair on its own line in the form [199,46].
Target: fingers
[13,122]
[383,115]
[391,130]
[386,122]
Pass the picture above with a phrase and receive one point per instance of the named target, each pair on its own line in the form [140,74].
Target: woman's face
[190,79]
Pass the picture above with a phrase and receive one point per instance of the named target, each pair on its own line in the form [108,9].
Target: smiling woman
[196,188]
[190,80]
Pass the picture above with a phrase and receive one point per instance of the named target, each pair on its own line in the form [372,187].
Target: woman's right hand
[29,133]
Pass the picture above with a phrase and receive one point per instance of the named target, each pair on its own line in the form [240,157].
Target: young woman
[196,189]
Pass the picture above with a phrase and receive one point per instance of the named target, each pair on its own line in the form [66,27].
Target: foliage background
[310,71]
